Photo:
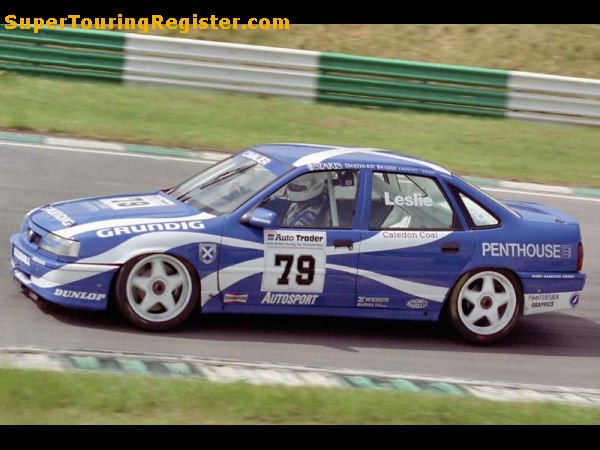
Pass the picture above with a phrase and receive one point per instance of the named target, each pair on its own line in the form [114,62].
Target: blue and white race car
[308,230]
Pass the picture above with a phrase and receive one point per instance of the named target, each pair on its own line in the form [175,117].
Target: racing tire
[485,305]
[157,292]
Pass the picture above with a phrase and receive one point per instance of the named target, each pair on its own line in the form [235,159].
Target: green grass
[562,49]
[499,148]
[34,397]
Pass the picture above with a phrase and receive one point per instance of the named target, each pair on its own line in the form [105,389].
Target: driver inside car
[309,200]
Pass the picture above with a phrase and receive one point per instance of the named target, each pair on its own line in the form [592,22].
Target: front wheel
[156,292]
[485,305]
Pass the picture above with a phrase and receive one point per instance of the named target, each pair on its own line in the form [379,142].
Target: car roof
[304,154]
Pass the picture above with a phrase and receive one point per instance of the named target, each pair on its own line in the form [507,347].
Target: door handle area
[451,247]
[343,243]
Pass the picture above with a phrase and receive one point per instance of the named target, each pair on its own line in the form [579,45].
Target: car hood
[74,217]
[540,213]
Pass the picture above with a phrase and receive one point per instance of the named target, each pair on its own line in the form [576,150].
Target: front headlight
[60,246]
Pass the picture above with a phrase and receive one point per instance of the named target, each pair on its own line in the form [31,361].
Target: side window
[317,200]
[408,202]
[479,215]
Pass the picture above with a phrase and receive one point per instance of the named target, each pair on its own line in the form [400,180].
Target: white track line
[542,194]
[28,145]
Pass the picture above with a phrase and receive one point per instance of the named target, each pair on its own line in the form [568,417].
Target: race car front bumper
[76,285]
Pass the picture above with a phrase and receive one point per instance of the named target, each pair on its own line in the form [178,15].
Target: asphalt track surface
[560,349]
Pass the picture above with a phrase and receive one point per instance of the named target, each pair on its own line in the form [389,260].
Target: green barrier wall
[97,55]
[390,83]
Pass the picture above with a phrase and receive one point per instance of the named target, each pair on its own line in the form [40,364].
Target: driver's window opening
[402,201]
[316,200]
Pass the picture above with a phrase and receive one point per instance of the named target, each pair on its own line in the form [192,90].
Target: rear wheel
[156,292]
[485,305]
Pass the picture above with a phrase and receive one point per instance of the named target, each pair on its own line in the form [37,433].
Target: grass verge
[499,148]
[561,49]
[36,397]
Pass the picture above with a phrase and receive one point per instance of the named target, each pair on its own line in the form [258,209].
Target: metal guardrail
[307,75]
[221,66]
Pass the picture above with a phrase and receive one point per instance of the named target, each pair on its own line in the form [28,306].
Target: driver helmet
[306,187]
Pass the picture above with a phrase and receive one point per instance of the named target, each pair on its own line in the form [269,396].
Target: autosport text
[522,250]
[64,219]
[289,299]
[79,295]
[144,228]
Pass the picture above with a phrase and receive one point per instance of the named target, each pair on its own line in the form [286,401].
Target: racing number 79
[305,266]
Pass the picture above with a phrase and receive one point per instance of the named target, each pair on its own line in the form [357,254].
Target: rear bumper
[546,292]
[82,286]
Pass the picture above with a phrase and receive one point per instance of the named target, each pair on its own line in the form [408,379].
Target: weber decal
[372,302]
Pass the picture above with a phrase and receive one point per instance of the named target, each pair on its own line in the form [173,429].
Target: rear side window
[479,215]
[400,201]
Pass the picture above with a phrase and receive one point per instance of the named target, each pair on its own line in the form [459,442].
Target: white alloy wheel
[156,291]
[486,306]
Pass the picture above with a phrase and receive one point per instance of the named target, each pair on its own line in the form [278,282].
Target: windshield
[224,187]
[495,200]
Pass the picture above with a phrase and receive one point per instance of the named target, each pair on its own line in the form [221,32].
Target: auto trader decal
[294,261]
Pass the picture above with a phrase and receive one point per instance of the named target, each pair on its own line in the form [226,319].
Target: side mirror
[260,218]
